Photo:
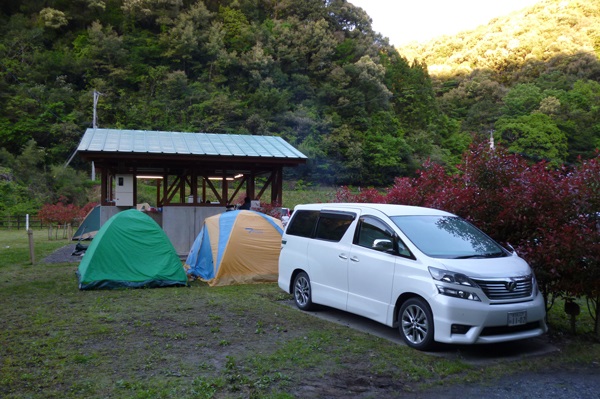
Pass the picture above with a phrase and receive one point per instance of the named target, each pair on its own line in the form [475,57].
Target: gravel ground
[578,382]
[63,254]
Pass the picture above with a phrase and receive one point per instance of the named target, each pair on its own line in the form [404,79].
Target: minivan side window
[374,234]
[332,226]
[303,223]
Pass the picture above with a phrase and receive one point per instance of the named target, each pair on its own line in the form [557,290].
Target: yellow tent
[237,247]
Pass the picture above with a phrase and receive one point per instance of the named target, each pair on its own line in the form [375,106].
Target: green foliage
[536,136]
[15,199]
[27,183]
[303,70]
[312,72]
[542,59]
[522,99]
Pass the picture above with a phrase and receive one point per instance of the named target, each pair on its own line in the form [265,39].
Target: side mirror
[512,250]
[383,245]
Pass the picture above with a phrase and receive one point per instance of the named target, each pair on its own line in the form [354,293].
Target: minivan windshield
[448,237]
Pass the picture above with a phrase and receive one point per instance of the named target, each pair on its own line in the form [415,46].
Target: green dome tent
[130,251]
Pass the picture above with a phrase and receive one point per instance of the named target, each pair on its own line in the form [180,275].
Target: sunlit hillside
[541,32]
[529,79]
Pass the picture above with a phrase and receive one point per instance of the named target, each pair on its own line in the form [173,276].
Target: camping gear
[236,247]
[90,225]
[79,249]
[132,251]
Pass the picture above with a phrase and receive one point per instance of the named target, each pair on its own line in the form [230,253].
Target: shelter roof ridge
[186,143]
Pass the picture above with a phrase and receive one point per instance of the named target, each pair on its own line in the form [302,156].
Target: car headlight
[458,279]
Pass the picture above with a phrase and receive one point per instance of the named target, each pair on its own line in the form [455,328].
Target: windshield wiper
[470,256]
[481,256]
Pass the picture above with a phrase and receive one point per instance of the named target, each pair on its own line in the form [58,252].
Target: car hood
[510,266]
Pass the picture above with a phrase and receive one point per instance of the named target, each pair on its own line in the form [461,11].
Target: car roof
[387,209]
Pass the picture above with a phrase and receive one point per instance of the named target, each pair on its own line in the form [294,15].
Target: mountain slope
[541,32]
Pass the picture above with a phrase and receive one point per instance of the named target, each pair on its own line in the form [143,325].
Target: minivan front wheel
[302,291]
[416,324]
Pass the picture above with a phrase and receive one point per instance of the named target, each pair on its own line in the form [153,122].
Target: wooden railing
[55,231]
[19,223]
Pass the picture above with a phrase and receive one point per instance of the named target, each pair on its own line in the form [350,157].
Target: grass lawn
[201,342]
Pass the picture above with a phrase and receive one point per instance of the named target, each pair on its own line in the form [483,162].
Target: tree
[535,136]
[102,48]
[60,213]
[184,39]
[16,200]
[583,270]
[521,100]
[579,116]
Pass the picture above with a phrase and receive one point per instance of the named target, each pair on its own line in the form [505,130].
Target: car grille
[508,288]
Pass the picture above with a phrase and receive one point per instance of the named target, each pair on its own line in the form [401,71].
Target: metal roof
[203,144]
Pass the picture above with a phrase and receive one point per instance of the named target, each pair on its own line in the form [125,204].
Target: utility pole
[95,116]
[95,125]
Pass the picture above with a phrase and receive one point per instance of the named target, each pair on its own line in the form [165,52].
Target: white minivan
[428,272]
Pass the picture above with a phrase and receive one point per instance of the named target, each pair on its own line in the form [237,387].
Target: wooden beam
[224,189]
[134,187]
[267,184]
[172,190]
[212,187]
[277,187]
[240,185]
[104,187]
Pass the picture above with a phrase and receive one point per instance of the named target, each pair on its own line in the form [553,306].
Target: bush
[60,213]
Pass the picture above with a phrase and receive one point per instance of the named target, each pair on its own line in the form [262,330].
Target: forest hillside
[313,72]
[531,77]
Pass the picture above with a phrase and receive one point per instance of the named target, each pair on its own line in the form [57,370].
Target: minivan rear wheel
[302,291]
[416,324]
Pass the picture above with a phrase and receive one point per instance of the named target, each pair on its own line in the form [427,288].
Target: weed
[259,328]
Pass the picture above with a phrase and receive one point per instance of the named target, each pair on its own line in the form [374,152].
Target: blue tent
[237,247]
[89,226]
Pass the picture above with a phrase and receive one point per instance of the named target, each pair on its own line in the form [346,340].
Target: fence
[55,231]
[20,222]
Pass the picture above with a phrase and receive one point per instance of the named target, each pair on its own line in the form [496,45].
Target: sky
[403,21]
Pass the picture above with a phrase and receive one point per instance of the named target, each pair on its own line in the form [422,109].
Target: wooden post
[31,249]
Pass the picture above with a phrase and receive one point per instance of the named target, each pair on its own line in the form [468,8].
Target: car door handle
[354,259]
[343,256]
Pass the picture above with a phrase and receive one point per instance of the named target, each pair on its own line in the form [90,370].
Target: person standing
[247,203]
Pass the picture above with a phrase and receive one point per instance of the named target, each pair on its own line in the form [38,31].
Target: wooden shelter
[197,174]
[191,169]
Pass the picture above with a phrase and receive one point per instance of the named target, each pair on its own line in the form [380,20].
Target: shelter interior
[218,183]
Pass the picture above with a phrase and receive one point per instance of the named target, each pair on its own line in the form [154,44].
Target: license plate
[517,318]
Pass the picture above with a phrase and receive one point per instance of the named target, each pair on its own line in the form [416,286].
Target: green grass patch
[195,342]
[301,193]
